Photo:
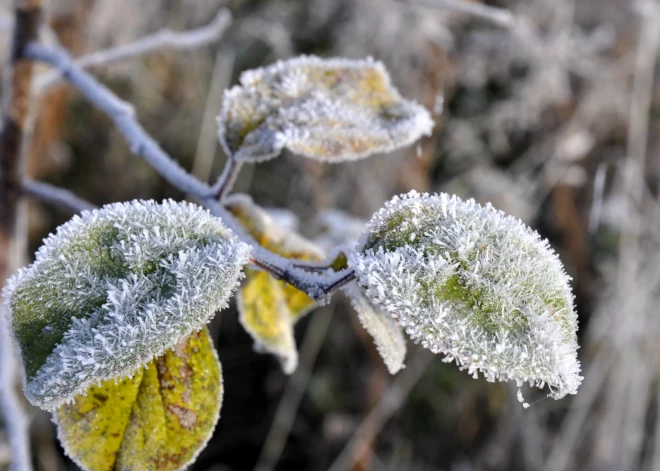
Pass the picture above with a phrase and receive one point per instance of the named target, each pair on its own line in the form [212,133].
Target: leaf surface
[158,419]
[387,335]
[270,308]
[326,109]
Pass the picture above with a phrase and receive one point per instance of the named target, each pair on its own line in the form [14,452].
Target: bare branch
[227,178]
[14,114]
[498,16]
[121,114]
[56,196]
[160,41]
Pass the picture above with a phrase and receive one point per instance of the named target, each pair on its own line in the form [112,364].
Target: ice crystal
[115,288]
[327,109]
[387,335]
[474,284]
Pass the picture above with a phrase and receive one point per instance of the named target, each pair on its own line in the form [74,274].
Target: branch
[317,286]
[14,115]
[497,16]
[56,196]
[122,116]
[160,41]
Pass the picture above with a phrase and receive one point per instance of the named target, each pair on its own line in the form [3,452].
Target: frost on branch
[474,284]
[387,334]
[268,308]
[326,109]
[115,288]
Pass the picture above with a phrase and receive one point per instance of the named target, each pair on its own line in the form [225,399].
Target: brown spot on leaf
[186,417]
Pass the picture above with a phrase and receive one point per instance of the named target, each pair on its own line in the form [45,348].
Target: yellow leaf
[158,419]
[288,244]
[265,315]
[326,109]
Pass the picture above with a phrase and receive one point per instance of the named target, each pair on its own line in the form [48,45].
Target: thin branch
[227,178]
[123,117]
[141,143]
[14,114]
[497,16]
[160,41]
[56,196]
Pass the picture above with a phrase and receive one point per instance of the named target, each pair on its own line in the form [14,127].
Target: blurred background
[553,117]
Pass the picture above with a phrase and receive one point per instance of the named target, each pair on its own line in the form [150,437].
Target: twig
[57,196]
[141,143]
[121,114]
[498,16]
[227,178]
[293,394]
[160,41]
[14,114]
[388,405]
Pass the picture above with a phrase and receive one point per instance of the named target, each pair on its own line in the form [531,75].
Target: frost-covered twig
[162,40]
[141,143]
[57,196]
[498,16]
[227,178]
[121,114]
[14,115]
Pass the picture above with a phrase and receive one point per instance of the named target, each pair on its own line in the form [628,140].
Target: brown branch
[13,117]
[14,114]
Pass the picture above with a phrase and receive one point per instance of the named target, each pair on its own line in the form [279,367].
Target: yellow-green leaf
[265,315]
[326,109]
[286,243]
[159,419]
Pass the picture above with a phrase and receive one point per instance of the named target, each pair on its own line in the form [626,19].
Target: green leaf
[161,418]
[326,109]
[114,289]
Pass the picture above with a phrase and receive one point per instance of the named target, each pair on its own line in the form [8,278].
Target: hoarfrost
[387,335]
[115,288]
[327,109]
[476,285]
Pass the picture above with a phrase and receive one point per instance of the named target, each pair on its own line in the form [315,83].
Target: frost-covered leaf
[475,284]
[261,226]
[326,109]
[160,418]
[269,308]
[387,334]
[115,288]
[265,316]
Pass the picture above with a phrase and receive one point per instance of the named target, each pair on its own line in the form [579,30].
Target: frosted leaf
[268,308]
[327,109]
[115,288]
[387,334]
[473,284]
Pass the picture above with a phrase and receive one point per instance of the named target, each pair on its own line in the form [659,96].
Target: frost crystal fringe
[474,284]
[115,288]
[326,109]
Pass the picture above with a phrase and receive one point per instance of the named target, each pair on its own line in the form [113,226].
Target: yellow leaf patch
[158,419]
[326,109]
[270,308]
[265,315]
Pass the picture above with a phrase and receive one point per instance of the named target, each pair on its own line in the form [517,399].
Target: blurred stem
[227,178]
[14,115]
[56,196]
[293,394]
